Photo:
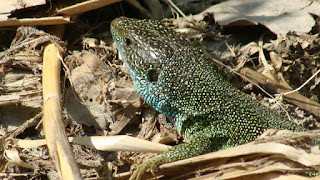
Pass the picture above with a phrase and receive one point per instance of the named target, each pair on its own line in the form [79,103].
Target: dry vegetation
[272,54]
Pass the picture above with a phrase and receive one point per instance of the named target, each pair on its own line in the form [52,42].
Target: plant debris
[268,51]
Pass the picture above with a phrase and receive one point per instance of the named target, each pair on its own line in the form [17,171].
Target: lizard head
[145,45]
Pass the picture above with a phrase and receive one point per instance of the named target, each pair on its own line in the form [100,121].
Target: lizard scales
[175,77]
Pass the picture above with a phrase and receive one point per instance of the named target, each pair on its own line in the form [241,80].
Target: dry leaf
[13,157]
[280,16]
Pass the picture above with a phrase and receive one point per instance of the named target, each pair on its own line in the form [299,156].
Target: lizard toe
[140,170]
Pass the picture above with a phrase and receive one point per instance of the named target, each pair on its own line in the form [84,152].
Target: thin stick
[315,74]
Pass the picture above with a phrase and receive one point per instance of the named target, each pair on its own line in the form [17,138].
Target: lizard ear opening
[127,41]
[153,75]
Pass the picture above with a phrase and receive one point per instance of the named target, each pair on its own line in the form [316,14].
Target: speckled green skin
[177,79]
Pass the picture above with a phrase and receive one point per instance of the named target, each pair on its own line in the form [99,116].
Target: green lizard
[177,79]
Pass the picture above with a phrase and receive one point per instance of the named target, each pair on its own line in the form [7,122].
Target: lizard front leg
[199,143]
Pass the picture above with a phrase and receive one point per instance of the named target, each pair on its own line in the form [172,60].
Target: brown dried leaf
[276,60]
[316,83]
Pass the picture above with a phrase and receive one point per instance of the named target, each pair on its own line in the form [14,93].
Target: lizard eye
[127,41]
[153,76]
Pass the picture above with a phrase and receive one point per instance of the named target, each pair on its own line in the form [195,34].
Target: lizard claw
[140,170]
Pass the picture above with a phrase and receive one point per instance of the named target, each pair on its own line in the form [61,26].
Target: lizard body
[175,77]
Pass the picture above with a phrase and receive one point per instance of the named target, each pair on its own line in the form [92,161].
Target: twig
[178,9]
[313,76]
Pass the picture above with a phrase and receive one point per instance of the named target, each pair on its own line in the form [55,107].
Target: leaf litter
[99,93]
